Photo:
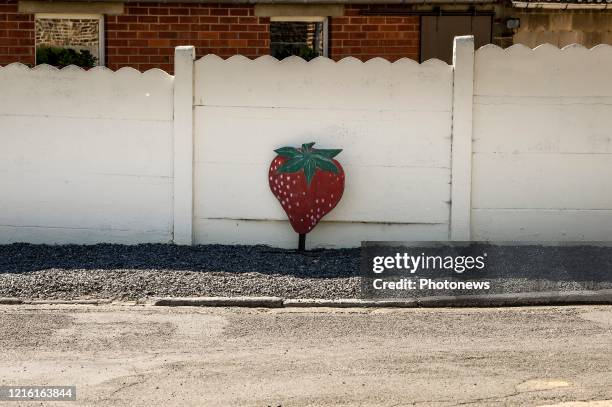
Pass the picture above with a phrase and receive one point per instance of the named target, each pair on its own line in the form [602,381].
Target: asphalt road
[147,356]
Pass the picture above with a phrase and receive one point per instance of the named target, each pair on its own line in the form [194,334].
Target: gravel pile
[152,270]
[157,270]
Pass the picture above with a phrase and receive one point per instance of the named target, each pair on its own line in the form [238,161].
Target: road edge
[599,297]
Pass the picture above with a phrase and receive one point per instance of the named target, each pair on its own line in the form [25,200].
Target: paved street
[123,355]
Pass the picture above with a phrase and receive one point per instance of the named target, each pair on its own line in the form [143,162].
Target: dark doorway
[437,33]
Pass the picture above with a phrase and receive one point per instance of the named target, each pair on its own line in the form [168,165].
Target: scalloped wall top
[295,60]
[543,48]
[545,71]
[321,60]
[73,69]
[322,83]
[96,93]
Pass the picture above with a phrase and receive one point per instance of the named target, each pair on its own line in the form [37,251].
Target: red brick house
[143,34]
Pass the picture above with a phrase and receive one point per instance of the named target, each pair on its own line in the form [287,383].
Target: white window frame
[308,19]
[70,16]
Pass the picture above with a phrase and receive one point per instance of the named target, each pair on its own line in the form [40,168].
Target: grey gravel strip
[10,301]
[133,273]
[250,302]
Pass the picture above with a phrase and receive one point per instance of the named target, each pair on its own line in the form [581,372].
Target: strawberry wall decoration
[308,182]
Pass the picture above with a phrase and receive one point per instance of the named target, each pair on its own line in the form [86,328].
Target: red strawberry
[308,183]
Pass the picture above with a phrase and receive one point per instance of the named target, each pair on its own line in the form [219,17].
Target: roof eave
[314,2]
[560,6]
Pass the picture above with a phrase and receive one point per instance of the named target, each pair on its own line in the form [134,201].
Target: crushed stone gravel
[159,270]
[135,272]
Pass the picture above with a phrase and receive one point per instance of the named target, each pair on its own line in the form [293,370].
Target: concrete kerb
[349,303]
[247,302]
[600,297]
[11,301]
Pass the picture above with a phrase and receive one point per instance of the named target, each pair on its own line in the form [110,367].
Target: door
[437,33]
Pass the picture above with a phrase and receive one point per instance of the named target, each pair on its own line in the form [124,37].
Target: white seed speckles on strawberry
[305,203]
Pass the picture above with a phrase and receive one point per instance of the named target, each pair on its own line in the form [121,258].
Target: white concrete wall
[85,157]
[393,121]
[519,140]
[542,144]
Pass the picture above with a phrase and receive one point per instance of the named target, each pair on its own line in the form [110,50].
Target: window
[64,39]
[305,37]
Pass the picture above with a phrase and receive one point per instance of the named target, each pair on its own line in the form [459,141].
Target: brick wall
[145,35]
[365,37]
[16,35]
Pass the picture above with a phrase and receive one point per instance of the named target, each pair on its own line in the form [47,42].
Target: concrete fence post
[183,145]
[461,156]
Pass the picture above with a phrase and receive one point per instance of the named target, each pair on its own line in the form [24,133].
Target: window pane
[65,41]
[304,39]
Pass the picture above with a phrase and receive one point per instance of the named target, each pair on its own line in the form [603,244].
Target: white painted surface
[461,169]
[392,120]
[545,71]
[537,225]
[90,157]
[94,94]
[280,233]
[183,145]
[348,84]
[542,159]
[85,157]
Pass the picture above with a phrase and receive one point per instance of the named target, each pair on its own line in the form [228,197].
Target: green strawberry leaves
[309,170]
[327,165]
[307,159]
[289,152]
[329,153]
[292,165]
